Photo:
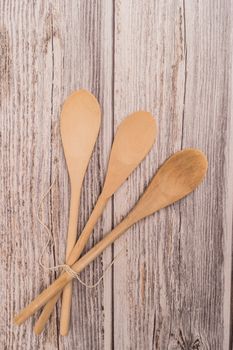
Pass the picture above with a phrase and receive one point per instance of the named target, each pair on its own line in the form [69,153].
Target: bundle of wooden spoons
[175,179]
[134,138]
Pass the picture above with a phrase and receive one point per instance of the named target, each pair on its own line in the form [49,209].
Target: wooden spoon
[80,123]
[175,179]
[133,140]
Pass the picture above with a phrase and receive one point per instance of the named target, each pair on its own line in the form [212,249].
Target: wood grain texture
[51,48]
[173,59]
[171,287]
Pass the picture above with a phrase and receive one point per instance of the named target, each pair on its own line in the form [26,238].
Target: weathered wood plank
[50,49]
[88,62]
[171,288]
[209,101]
[26,145]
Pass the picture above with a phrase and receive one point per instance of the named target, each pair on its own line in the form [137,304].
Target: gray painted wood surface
[171,286]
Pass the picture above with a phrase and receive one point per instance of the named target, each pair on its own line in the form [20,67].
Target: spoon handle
[65,278]
[75,254]
[71,239]
[73,219]
[67,292]
[83,238]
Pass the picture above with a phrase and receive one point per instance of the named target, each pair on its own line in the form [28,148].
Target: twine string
[64,267]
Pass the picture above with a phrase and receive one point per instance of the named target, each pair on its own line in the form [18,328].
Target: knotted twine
[64,267]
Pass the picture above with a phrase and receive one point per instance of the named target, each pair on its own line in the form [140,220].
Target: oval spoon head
[175,179]
[80,123]
[133,140]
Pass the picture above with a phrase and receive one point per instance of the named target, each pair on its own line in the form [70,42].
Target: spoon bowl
[80,117]
[134,138]
[175,179]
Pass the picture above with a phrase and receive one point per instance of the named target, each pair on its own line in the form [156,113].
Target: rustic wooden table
[171,287]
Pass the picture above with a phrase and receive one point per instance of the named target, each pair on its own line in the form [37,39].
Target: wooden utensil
[175,179]
[133,140]
[79,125]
